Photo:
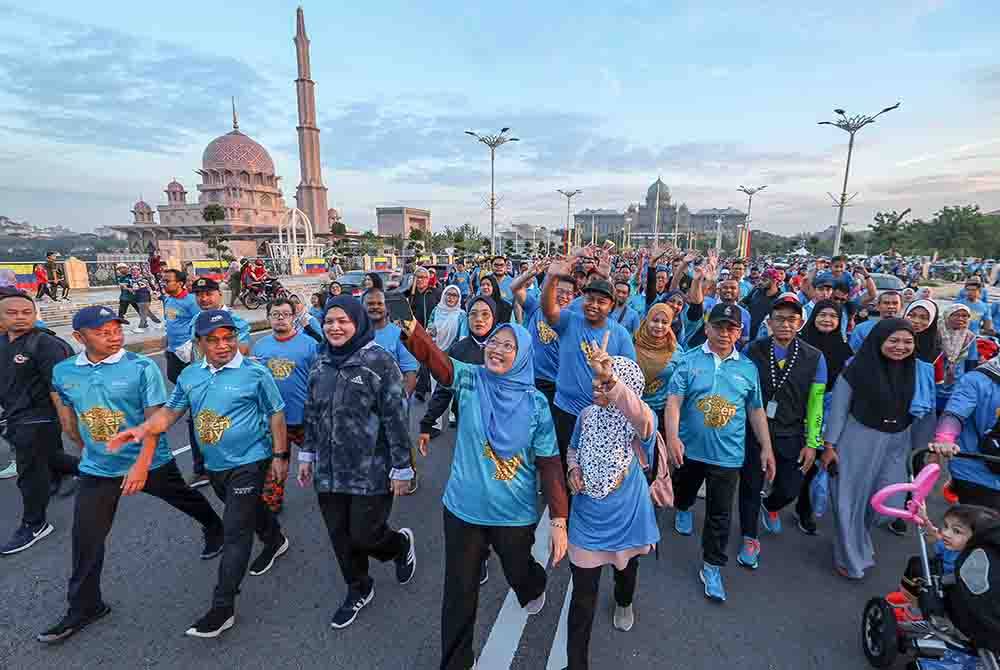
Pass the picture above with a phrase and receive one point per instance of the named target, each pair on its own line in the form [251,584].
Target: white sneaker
[624,618]
[9,472]
[701,490]
[536,605]
[137,329]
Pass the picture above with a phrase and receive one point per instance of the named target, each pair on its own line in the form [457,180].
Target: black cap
[203,284]
[787,300]
[602,286]
[723,312]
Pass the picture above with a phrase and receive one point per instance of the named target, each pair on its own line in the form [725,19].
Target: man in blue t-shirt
[503,278]
[890,306]
[713,394]
[461,278]
[240,424]
[980,317]
[578,333]
[621,312]
[99,391]
[288,354]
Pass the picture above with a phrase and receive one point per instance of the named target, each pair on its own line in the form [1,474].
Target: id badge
[772,409]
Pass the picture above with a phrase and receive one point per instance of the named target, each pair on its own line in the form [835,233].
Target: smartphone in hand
[399,307]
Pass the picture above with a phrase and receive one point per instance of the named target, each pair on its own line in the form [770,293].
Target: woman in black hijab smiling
[822,330]
[503,308]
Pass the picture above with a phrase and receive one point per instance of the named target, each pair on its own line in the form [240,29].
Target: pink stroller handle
[919,489]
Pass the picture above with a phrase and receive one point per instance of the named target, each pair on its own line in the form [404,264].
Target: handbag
[661,487]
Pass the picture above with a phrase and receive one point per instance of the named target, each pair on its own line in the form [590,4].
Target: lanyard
[789,364]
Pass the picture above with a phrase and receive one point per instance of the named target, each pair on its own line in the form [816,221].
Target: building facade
[402,221]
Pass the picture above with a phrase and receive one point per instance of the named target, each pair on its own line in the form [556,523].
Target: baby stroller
[930,641]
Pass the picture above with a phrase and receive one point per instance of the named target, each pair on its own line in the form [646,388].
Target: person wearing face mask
[357,452]
[656,353]
[868,435]
[505,448]
[890,306]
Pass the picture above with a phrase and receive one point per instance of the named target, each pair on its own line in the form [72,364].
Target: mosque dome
[664,191]
[175,186]
[141,206]
[237,152]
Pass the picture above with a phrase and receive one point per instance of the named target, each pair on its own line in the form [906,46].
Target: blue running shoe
[770,520]
[684,522]
[711,577]
[749,556]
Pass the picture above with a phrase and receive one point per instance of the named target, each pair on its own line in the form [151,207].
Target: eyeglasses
[785,319]
[505,347]
[281,316]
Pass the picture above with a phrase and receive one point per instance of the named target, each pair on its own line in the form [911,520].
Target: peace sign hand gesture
[599,360]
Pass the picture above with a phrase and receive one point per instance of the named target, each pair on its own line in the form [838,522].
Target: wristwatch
[283,455]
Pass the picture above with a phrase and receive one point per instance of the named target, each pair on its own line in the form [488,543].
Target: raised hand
[601,364]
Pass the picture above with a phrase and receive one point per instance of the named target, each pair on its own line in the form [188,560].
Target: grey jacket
[357,424]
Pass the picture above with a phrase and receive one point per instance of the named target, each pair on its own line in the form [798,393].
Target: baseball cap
[203,284]
[723,312]
[95,316]
[973,281]
[211,319]
[823,281]
[789,300]
[602,286]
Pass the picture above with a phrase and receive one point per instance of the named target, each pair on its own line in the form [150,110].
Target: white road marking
[557,655]
[181,450]
[501,645]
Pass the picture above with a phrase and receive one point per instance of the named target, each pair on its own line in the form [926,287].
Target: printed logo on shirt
[506,469]
[717,410]
[357,380]
[102,422]
[20,359]
[243,490]
[653,386]
[210,426]
[545,333]
[170,314]
[281,368]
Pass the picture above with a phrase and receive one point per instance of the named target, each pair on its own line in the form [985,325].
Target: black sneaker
[348,612]
[406,562]
[898,527]
[214,540]
[267,556]
[807,524]
[197,481]
[72,624]
[213,624]
[484,572]
[25,536]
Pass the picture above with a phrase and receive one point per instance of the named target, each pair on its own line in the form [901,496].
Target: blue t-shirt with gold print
[289,362]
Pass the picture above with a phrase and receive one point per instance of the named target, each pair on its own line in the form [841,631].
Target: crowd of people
[608,384]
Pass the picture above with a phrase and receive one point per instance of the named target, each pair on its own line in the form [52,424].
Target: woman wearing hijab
[490,287]
[655,345]
[959,353]
[448,320]
[922,315]
[686,317]
[505,447]
[612,519]
[356,451]
[881,391]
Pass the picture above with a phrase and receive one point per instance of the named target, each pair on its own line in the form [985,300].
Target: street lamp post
[745,237]
[850,125]
[493,141]
[718,233]
[569,198]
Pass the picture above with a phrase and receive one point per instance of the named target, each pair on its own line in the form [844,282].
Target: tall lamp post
[850,125]
[569,198]
[493,141]
[745,237]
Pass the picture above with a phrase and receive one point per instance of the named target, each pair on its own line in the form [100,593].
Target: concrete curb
[152,345]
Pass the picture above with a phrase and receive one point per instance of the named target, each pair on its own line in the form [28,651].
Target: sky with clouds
[104,102]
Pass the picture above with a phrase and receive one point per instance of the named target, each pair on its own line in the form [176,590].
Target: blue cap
[95,316]
[211,319]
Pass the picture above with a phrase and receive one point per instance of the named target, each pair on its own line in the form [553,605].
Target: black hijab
[882,388]
[376,280]
[835,350]
[503,308]
[488,301]
[364,334]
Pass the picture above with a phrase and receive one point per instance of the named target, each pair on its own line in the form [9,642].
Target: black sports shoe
[213,624]
[72,624]
[807,524]
[484,572]
[406,562]
[214,540]
[267,556]
[25,536]
[353,604]
[197,481]
[898,527]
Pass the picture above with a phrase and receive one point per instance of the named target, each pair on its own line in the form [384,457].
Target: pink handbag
[661,489]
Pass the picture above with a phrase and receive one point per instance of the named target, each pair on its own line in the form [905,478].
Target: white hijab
[448,320]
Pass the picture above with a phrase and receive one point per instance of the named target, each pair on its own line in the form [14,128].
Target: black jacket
[973,603]
[424,303]
[466,350]
[793,395]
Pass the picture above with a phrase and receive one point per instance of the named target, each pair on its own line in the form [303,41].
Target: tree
[888,230]
[508,247]
[417,234]
[338,228]
[213,213]
[221,249]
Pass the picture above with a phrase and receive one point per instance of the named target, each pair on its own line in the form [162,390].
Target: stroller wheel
[878,633]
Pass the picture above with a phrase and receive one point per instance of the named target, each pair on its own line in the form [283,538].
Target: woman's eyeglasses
[504,347]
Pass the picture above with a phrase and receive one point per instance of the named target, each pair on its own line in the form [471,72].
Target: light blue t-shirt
[574,388]
[976,401]
[860,332]
[480,489]
[289,362]
[179,313]
[745,288]
[388,339]
[716,397]
[463,280]
[627,317]
[505,291]
[655,392]
[107,398]
[544,340]
[980,312]
[232,410]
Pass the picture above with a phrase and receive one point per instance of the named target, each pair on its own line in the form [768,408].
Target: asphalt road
[793,613]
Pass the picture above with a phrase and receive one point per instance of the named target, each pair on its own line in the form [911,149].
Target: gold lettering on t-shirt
[717,410]
[103,423]
[210,426]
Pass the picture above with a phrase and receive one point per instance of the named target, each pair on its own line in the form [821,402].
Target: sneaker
[9,472]
[406,563]
[25,536]
[197,481]
[702,491]
[137,330]
[69,487]
[684,522]
[213,544]
[749,556]
[711,577]
[265,559]
[72,624]
[898,527]
[807,524]
[536,605]
[414,485]
[484,572]
[348,612]
[213,624]
[770,520]
[623,619]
